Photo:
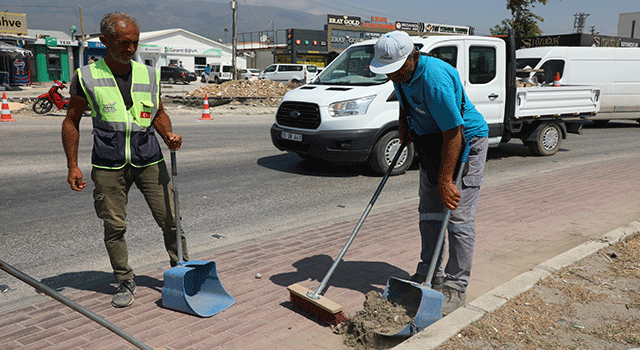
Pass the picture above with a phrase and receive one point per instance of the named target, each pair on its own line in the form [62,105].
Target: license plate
[291,136]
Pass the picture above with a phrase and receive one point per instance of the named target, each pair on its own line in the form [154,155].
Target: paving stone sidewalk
[520,224]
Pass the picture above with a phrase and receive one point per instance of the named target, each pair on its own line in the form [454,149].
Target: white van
[350,115]
[219,73]
[290,73]
[616,70]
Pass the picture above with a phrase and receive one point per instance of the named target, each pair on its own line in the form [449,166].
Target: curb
[447,327]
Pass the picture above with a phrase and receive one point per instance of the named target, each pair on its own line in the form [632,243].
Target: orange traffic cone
[205,109]
[6,113]
[556,79]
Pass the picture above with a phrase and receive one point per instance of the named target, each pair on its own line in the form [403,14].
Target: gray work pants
[461,229]
[110,200]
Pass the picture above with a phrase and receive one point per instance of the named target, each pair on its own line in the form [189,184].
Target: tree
[523,21]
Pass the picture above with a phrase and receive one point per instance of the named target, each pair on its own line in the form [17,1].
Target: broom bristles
[323,308]
[318,312]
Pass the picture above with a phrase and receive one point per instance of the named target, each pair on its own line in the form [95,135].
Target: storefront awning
[4,47]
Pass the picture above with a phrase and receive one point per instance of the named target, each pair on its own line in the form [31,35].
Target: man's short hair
[110,20]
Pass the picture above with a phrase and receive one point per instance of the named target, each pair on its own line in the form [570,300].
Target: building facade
[629,25]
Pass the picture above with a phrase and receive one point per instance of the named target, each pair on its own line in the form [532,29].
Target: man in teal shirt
[437,116]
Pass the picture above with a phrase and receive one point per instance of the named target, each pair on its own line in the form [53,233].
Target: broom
[317,305]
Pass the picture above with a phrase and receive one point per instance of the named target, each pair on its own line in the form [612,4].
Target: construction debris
[251,88]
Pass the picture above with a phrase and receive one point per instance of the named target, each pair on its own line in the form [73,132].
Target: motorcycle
[45,102]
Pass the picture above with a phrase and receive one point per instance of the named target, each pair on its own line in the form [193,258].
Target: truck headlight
[350,107]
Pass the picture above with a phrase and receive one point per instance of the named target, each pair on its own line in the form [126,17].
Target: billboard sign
[13,23]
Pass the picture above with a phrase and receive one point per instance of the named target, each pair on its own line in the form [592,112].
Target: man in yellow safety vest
[124,96]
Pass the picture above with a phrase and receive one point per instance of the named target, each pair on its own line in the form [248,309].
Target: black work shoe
[124,294]
[453,299]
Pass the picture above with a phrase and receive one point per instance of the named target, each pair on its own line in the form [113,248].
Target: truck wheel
[171,80]
[383,153]
[548,141]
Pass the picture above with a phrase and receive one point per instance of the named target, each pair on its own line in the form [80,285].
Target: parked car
[249,73]
[290,73]
[219,73]
[173,75]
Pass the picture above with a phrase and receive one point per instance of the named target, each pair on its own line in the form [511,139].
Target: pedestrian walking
[436,115]
[126,115]
[207,72]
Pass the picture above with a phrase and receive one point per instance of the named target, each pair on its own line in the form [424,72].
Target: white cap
[390,52]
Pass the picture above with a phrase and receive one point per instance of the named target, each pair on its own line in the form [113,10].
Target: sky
[482,14]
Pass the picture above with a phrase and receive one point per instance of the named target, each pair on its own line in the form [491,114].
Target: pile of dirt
[592,304]
[243,89]
[378,316]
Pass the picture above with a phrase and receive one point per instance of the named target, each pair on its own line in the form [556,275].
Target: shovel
[192,286]
[422,303]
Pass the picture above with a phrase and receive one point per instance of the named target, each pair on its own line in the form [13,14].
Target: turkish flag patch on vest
[145,115]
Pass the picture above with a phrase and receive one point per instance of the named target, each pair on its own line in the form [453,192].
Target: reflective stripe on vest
[122,136]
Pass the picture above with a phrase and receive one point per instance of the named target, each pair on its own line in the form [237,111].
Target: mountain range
[204,18]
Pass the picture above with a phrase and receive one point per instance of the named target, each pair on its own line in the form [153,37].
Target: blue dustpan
[193,286]
[423,304]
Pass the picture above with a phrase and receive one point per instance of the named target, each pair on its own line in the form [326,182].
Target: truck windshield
[351,68]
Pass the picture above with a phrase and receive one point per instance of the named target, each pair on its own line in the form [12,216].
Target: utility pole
[578,23]
[81,23]
[234,38]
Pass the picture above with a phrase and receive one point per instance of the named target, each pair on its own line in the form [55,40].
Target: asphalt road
[234,186]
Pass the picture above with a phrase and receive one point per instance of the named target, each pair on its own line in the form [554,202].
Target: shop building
[320,47]
[54,55]
[15,59]
[578,39]
[629,25]
[172,46]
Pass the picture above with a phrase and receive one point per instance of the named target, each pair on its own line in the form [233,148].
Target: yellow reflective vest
[122,136]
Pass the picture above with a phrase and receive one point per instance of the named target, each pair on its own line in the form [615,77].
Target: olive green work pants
[110,200]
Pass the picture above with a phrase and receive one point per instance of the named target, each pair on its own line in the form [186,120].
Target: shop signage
[148,48]
[408,26]
[96,45]
[51,41]
[193,51]
[13,23]
[213,52]
[443,29]
[344,20]
[579,39]
[378,23]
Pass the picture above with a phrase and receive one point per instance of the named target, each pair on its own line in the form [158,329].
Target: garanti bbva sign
[13,23]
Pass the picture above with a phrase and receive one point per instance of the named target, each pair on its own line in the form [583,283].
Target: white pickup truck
[350,115]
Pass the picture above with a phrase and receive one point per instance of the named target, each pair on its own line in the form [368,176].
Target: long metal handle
[70,303]
[326,278]
[447,216]
[176,204]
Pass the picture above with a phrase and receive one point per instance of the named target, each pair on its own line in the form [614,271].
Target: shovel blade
[193,287]
[423,304]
